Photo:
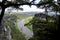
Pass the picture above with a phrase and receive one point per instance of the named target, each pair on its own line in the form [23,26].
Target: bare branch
[8,5]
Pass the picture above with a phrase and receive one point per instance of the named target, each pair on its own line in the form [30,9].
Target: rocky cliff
[4,31]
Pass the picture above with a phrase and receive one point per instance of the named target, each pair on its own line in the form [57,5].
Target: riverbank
[24,29]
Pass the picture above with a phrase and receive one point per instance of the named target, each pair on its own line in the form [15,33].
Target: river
[24,29]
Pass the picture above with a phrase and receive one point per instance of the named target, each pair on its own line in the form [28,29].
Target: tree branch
[2,14]
[12,4]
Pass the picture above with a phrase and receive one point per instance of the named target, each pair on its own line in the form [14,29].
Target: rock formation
[5,32]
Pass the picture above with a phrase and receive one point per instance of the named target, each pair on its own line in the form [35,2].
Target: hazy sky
[33,8]
[27,8]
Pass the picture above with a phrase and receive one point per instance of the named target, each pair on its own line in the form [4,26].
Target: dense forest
[36,26]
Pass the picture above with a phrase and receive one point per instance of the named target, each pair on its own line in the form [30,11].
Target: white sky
[27,8]
[33,8]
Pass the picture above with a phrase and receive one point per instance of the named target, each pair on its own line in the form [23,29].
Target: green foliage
[27,20]
[43,30]
[15,33]
[29,26]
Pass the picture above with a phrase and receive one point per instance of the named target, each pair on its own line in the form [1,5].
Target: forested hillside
[11,21]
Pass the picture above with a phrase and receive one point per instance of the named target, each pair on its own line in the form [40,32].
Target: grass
[15,32]
[42,29]
[22,16]
[27,20]
[29,26]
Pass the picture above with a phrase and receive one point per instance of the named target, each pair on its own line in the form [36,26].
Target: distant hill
[33,13]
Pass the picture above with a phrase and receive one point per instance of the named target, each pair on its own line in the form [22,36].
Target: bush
[15,33]
[43,30]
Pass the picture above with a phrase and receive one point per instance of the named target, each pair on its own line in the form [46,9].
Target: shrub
[43,30]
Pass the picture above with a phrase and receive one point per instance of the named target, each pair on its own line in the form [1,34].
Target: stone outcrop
[5,32]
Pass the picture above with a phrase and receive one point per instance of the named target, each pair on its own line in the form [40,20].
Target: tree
[4,4]
[54,5]
[51,32]
[46,6]
[16,3]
